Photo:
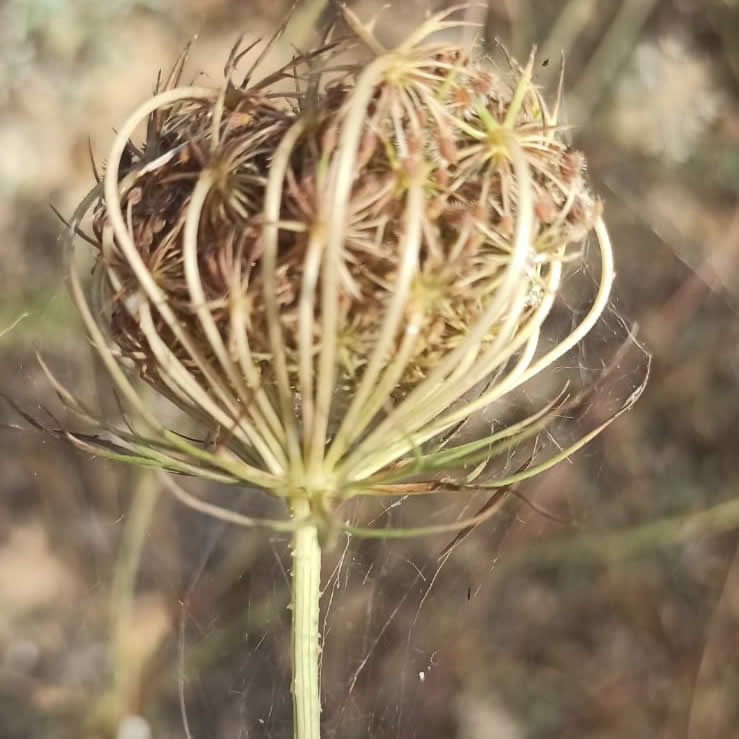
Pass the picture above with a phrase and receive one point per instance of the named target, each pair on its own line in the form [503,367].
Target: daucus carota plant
[330,270]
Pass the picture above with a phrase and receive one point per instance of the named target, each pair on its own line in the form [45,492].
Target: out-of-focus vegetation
[622,622]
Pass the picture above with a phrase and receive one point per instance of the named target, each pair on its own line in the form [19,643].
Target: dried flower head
[328,265]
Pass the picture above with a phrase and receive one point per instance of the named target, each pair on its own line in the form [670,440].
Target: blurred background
[124,614]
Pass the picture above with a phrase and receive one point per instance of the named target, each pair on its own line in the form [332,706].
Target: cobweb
[394,616]
[420,637]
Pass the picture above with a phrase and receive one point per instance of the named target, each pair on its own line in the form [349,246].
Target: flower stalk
[306,589]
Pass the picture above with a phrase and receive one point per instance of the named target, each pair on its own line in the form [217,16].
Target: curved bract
[325,267]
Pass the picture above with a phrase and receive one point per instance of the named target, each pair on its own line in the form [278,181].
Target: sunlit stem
[530,369]
[356,420]
[526,371]
[257,432]
[306,583]
[223,461]
[440,388]
[346,158]
[183,383]
[272,200]
[306,313]
[124,238]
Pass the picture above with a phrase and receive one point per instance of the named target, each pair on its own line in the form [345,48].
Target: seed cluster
[418,158]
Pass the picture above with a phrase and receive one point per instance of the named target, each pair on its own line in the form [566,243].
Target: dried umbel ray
[334,268]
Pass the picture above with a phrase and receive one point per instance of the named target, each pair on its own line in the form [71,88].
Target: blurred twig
[569,25]
[662,325]
[124,586]
[303,20]
[616,546]
[616,45]
[7,330]
[522,24]
[713,645]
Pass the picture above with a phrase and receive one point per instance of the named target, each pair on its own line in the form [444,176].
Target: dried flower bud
[329,282]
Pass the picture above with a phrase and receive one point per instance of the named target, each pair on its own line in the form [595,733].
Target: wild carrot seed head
[338,276]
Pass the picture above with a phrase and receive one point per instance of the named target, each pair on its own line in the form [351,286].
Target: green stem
[306,584]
